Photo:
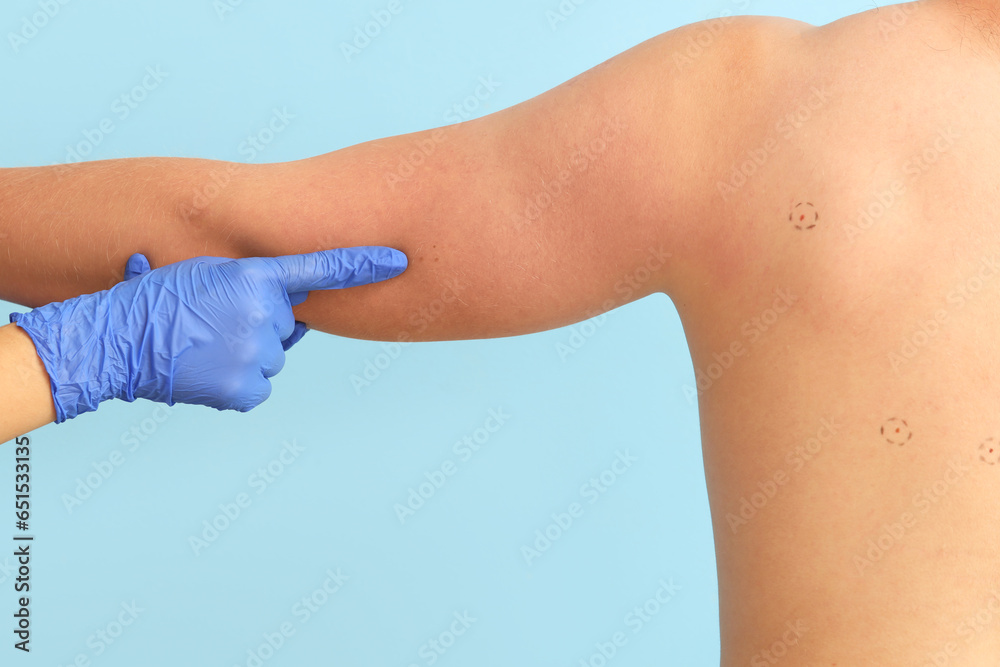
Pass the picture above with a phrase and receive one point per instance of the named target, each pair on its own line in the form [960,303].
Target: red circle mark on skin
[802,216]
[898,430]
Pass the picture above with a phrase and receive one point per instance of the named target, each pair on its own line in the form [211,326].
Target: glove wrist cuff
[69,339]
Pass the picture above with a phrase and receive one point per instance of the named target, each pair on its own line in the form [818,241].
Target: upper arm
[594,194]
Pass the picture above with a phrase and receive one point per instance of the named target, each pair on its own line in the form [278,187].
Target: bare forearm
[24,385]
[67,230]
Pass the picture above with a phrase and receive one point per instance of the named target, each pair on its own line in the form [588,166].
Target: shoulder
[716,88]
[732,40]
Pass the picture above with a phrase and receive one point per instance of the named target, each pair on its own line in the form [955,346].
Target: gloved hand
[138,265]
[206,331]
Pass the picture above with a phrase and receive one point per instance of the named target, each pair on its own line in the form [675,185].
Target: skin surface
[25,392]
[819,204]
[854,426]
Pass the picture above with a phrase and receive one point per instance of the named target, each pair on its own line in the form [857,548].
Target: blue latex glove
[138,265]
[206,331]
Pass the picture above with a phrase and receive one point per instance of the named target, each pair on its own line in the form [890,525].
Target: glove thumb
[297,334]
[136,265]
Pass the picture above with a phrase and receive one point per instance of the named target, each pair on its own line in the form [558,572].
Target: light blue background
[333,507]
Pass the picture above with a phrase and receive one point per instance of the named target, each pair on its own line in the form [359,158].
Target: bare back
[846,349]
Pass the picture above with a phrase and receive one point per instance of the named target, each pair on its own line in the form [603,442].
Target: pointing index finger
[340,268]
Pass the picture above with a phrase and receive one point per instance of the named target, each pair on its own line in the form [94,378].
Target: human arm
[647,194]
[24,385]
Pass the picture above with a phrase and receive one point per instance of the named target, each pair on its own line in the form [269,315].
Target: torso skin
[860,417]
